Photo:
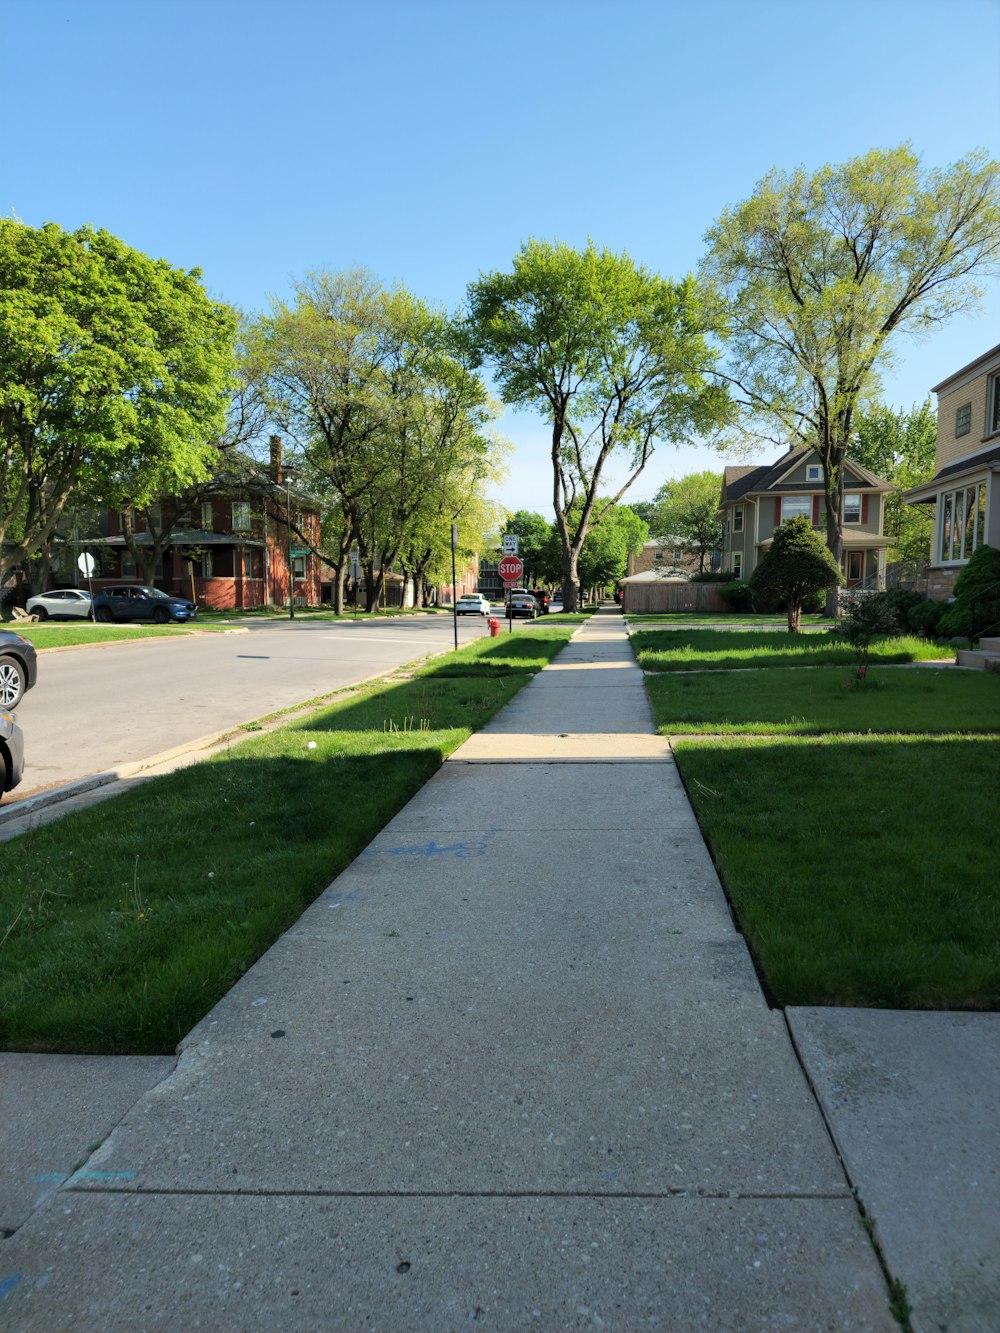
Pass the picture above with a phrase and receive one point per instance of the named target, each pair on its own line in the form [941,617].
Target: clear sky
[427,139]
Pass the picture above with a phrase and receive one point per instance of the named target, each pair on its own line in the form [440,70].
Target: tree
[613,355]
[390,419]
[605,553]
[899,446]
[532,532]
[818,273]
[111,364]
[687,512]
[794,566]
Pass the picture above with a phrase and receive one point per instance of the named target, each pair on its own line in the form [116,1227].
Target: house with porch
[965,488]
[756,500]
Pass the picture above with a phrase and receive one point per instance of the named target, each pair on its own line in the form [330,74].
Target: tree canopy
[686,511]
[899,446]
[614,357]
[112,366]
[817,273]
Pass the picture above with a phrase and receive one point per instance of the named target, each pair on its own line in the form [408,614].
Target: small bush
[925,617]
[737,594]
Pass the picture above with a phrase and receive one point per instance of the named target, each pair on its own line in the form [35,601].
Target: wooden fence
[666,595]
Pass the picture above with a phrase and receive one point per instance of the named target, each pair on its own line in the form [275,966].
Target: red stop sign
[510,568]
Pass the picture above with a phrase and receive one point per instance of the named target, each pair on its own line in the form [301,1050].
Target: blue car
[11,753]
[133,601]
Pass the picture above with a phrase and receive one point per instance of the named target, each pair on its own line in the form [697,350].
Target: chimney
[275,442]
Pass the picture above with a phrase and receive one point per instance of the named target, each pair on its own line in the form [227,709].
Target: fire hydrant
[494,625]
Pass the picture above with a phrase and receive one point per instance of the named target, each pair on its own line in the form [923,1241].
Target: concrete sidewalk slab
[244,1264]
[54,1110]
[913,1101]
[554,747]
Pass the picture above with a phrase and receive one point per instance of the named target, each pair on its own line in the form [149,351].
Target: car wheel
[103,614]
[161,615]
[13,680]
[41,613]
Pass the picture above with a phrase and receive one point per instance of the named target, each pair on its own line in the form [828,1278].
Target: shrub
[737,594]
[796,565]
[976,608]
[925,617]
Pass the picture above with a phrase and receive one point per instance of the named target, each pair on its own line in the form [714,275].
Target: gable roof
[740,481]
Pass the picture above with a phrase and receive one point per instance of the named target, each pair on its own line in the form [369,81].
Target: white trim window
[852,508]
[963,522]
[792,506]
[738,518]
[241,515]
[207,515]
[993,406]
[737,564]
[814,472]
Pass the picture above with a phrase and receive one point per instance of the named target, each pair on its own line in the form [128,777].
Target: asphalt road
[96,709]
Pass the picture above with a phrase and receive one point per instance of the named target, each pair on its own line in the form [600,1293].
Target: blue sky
[427,140]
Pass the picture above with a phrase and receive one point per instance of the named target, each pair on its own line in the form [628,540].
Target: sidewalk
[513,1069]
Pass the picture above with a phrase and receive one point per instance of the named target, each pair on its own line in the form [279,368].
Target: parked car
[472,604]
[523,605]
[63,603]
[132,601]
[542,598]
[11,753]
[18,667]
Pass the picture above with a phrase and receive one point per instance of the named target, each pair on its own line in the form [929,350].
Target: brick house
[965,490]
[756,500]
[668,557]
[225,546]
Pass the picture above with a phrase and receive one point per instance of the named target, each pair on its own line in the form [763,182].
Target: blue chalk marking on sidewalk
[9,1285]
[432,848]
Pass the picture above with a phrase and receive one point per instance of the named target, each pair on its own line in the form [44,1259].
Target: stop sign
[510,568]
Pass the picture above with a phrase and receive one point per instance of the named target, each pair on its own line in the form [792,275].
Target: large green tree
[818,273]
[899,446]
[686,511]
[112,364]
[613,355]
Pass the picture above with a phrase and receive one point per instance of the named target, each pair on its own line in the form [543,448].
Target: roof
[738,482]
[180,537]
[655,576]
[850,541]
[973,365]
[985,458]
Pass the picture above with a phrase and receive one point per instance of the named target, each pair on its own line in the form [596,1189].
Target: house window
[814,472]
[658,555]
[993,406]
[794,505]
[854,566]
[127,565]
[241,515]
[852,508]
[677,555]
[738,519]
[154,517]
[299,568]
[963,515]
[207,516]
[247,564]
[737,564]
[963,420]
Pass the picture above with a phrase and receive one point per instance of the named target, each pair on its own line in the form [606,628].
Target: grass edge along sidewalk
[121,925]
[856,861]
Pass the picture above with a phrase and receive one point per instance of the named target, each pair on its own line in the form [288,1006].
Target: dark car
[522,604]
[11,753]
[542,598]
[133,601]
[18,667]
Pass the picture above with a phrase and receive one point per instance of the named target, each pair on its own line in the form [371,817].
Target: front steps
[985,658]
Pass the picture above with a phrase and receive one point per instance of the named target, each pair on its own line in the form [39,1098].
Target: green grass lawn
[121,925]
[62,634]
[722,618]
[717,650]
[825,699]
[862,870]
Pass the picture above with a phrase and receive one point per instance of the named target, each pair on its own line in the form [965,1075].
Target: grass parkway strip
[121,925]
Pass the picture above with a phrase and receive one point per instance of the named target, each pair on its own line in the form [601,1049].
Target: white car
[472,604]
[63,603]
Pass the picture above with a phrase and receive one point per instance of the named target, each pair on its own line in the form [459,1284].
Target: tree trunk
[339,579]
[794,615]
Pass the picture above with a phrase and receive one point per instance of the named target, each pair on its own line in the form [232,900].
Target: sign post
[355,561]
[87,564]
[454,584]
[510,569]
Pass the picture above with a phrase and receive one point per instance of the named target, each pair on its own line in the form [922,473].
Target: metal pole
[288,524]
[454,585]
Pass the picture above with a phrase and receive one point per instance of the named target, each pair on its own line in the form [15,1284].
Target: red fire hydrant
[494,625]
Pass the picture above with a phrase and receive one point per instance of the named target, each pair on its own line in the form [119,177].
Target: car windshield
[154,592]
